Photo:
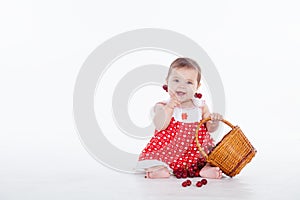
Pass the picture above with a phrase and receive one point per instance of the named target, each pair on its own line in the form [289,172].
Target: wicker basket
[232,153]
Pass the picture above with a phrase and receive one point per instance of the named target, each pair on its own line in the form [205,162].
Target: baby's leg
[157,172]
[210,172]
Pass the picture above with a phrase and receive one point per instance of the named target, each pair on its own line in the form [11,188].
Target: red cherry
[184,184]
[191,174]
[204,181]
[198,95]
[185,173]
[165,87]
[188,182]
[199,184]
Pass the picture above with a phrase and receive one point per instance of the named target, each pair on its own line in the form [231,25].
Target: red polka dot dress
[175,146]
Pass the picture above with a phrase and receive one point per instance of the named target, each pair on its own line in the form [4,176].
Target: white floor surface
[273,174]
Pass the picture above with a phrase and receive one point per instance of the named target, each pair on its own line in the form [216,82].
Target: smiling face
[183,82]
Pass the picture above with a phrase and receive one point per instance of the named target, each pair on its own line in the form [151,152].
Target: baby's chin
[183,99]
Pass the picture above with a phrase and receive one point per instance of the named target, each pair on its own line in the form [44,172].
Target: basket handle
[197,133]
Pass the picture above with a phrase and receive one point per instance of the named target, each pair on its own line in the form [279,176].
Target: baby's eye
[190,82]
[176,80]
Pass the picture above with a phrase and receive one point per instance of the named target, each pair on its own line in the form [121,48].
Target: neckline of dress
[190,108]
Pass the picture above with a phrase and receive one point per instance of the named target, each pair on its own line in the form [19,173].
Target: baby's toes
[219,174]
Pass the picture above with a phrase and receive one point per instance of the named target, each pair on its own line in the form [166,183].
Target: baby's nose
[182,86]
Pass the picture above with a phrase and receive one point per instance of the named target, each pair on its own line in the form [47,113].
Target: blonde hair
[185,63]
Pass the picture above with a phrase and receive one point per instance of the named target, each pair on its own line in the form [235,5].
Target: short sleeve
[199,102]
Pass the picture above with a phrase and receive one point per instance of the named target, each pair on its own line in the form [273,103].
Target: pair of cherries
[198,184]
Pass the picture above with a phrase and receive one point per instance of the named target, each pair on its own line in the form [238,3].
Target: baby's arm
[213,124]
[162,117]
[163,113]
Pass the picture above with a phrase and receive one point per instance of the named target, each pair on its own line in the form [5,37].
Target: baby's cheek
[191,90]
[171,85]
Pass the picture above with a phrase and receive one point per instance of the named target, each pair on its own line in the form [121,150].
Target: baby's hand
[213,124]
[173,101]
[216,117]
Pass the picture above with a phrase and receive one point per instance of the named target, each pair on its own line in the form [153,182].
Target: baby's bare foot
[157,172]
[211,172]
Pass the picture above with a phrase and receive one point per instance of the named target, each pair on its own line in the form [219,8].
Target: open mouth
[179,93]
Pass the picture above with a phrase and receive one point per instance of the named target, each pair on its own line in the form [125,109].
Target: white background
[255,46]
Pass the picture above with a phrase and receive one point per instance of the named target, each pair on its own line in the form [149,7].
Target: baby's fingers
[172,94]
[175,102]
[216,117]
